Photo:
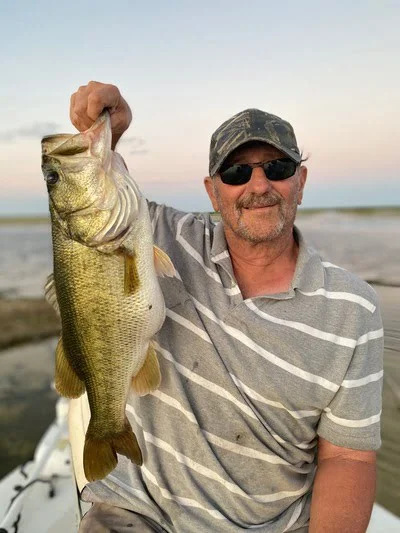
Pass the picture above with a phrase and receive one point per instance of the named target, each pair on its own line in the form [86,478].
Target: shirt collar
[309,271]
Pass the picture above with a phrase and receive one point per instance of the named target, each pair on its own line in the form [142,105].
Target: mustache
[254,201]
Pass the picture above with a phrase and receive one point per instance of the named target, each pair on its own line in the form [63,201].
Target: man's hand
[90,100]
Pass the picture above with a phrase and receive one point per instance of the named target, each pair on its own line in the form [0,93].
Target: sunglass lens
[280,169]
[236,174]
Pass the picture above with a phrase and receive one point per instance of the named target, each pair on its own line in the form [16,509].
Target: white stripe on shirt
[376,334]
[155,217]
[194,253]
[304,328]
[351,383]
[256,396]
[349,296]
[331,265]
[210,474]
[362,423]
[292,369]
[205,383]
[250,452]
[185,502]
[188,325]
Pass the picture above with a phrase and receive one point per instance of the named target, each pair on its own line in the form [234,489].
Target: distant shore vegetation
[364,211]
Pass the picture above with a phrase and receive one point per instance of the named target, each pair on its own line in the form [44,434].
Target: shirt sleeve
[352,419]
[165,223]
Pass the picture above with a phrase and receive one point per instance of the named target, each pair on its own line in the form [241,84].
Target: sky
[330,68]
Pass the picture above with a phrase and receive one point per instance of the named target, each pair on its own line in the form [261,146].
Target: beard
[264,227]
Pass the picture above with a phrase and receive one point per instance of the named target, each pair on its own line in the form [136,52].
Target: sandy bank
[25,320]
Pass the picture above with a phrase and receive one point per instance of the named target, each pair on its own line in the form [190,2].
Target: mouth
[259,207]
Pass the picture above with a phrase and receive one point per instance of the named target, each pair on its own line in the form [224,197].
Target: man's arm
[344,489]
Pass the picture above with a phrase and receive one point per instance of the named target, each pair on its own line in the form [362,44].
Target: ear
[302,181]
[209,185]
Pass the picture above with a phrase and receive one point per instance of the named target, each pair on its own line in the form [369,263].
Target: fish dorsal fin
[50,293]
[149,376]
[163,263]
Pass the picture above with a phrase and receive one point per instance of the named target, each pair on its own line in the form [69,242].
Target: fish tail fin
[100,453]
[149,376]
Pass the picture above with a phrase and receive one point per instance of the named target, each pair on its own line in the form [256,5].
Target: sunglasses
[276,170]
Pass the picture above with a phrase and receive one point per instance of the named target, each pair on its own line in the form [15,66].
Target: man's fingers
[79,123]
[90,100]
[77,111]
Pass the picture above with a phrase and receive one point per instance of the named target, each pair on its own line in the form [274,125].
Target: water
[25,260]
[367,245]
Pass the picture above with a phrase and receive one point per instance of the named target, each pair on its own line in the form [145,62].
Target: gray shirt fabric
[229,439]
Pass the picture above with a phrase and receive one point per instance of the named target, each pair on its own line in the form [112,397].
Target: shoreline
[368,211]
[26,320]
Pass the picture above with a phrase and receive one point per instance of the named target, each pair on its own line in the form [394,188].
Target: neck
[263,268]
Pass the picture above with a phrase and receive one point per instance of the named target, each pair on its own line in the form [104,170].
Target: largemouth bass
[105,286]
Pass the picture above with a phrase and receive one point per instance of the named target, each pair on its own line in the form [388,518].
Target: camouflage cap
[251,125]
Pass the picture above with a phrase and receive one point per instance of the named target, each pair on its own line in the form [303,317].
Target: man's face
[259,210]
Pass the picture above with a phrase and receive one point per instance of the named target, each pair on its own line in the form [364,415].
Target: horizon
[372,209]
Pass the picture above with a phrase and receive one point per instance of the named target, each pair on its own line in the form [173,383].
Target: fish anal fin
[100,452]
[50,293]
[149,376]
[131,274]
[163,263]
[67,382]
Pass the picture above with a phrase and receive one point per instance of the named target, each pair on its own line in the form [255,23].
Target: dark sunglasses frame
[275,170]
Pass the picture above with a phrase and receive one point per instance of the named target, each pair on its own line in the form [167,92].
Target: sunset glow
[329,69]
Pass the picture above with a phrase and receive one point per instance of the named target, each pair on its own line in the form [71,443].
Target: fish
[104,286]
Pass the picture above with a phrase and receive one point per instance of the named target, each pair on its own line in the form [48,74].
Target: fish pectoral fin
[149,376]
[50,293]
[131,274]
[163,263]
[100,452]
[67,382]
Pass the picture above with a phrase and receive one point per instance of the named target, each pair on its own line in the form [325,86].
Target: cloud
[36,130]
[135,144]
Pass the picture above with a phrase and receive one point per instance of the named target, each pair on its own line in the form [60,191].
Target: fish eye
[52,177]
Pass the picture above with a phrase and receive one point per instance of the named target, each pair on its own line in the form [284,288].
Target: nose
[258,183]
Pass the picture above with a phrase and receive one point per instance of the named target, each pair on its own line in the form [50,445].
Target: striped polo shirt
[229,439]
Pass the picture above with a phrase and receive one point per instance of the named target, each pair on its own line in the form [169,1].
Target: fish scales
[106,285]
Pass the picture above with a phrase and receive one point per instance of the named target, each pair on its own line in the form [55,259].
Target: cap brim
[293,155]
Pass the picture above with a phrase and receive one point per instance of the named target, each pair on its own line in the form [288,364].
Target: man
[271,359]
